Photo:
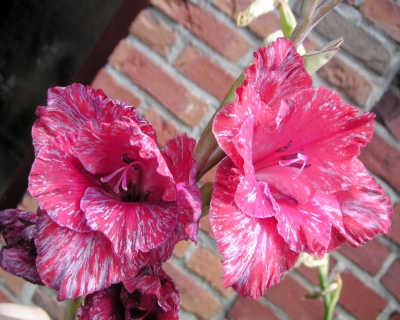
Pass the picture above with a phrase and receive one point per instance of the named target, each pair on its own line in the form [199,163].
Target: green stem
[71,308]
[323,272]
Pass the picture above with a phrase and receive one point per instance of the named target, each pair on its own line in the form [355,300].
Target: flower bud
[256,9]
[317,58]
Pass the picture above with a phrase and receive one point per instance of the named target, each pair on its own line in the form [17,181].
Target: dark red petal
[130,226]
[13,224]
[255,255]
[58,181]
[21,261]
[78,264]
[154,281]
[68,108]
[19,255]
[103,305]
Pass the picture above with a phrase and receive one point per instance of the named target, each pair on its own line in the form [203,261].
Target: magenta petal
[255,255]
[130,226]
[335,137]
[77,264]
[102,152]
[58,181]
[367,210]
[252,198]
[305,227]
[278,71]
[68,108]
[103,305]
[178,154]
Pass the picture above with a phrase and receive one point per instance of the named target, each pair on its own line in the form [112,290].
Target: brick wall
[177,63]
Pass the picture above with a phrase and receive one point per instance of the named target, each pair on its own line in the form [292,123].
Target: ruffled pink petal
[103,305]
[255,255]
[331,206]
[335,137]
[58,181]
[304,227]
[130,226]
[68,108]
[367,210]
[278,71]
[178,154]
[102,152]
[77,264]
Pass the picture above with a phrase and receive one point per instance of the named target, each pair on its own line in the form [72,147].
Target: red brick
[149,76]
[14,283]
[310,274]
[245,309]
[48,302]
[383,159]
[205,225]
[359,299]
[180,249]
[394,234]
[4,297]
[395,316]
[154,33]
[391,279]
[388,112]
[207,74]
[288,296]
[385,14]
[262,26]
[193,298]
[208,266]
[369,257]
[226,41]
[349,81]
[165,130]
[113,89]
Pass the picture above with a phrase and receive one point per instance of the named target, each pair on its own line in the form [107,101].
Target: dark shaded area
[43,43]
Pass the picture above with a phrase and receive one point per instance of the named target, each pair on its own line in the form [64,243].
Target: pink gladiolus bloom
[114,201]
[291,181]
[150,295]
[18,256]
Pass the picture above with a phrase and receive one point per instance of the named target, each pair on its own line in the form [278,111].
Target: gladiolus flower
[19,255]
[114,201]
[150,295]
[291,181]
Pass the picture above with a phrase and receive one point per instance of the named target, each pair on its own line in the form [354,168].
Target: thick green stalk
[323,273]
[71,308]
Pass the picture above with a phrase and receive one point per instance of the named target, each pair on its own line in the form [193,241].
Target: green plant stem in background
[71,308]
[330,291]
[323,273]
